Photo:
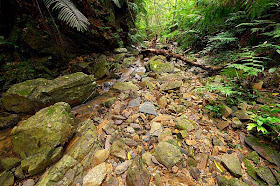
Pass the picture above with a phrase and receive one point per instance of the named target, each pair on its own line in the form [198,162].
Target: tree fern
[68,13]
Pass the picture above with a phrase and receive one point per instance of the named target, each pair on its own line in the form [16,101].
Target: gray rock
[168,154]
[121,168]
[156,129]
[165,135]
[29,182]
[148,108]
[147,157]
[130,130]
[183,123]
[125,86]
[171,85]
[222,124]
[232,163]
[265,174]
[95,176]
[137,174]
[242,115]
[112,181]
[135,102]
[9,162]
[32,95]
[158,65]
[128,61]
[223,181]
[101,156]
[118,149]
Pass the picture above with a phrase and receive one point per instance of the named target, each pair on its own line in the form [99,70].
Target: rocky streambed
[144,127]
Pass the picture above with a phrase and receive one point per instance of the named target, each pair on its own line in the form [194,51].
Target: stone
[33,95]
[222,124]
[38,137]
[121,168]
[254,157]
[130,130]
[101,156]
[165,135]
[9,162]
[264,150]
[118,149]
[19,173]
[171,85]
[130,142]
[128,61]
[183,123]
[100,69]
[171,77]
[265,174]
[109,101]
[184,134]
[242,115]
[95,176]
[125,86]
[236,123]
[120,50]
[156,129]
[252,171]
[148,108]
[135,102]
[226,111]
[137,174]
[223,181]
[168,154]
[162,102]
[158,65]
[147,157]
[29,182]
[112,181]
[232,163]
[195,173]
[7,178]
[8,120]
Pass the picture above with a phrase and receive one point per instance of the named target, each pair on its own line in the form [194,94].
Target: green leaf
[272,70]
[251,126]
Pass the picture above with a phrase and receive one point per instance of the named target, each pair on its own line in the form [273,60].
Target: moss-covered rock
[137,174]
[8,120]
[183,123]
[36,140]
[32,95]
[158,65]
[7,178]
[125,86]
[128,61]
[8,163]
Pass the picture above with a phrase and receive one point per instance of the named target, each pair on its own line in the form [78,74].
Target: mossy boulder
[8,120]
[128,61]
[38,139]
[183,123]
[125,86]
[158,65]
[168,154]
[32,95]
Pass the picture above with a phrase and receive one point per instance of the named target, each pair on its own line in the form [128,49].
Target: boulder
[38,139]
[128,61]
[32,95]
[168,154]
[137,174]
[232,163]
[265,174]
[8,120]
[95,176]
[158,65]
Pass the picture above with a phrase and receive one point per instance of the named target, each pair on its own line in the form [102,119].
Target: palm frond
[68,13]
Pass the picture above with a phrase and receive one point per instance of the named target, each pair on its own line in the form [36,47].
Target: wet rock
[121,168]
[125,86]
[38,137]
[183,123]
[265,174]
[165,135]
[222,125]
[120,50]
[226,111]
[171,85]
[7,178]
[9,162]
[232,163]
[95,176]
[101,156]
[135,102]
[158,65]
[264,150]
[137,174]
[8,120]
[168,154]
[236,123]
[118,149]
[29,182]
[156,129]
[128,61]
[32,95]
[148,108]
[147,157]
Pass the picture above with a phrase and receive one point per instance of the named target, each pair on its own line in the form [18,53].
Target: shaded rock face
[38,140]
[32,95]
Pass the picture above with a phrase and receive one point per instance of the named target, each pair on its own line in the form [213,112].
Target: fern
[68,13]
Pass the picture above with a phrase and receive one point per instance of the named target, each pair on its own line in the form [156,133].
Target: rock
[171,77]
[101,156]
[135,102]
[118,149]
[8,120]
[183,123]
[130,142]
[236,123]
[125,86]
[121,168]
[38,137]
[137,174]
[109,101]
[112,181]
[171,85]
[95,176]
[195,173]
[32,95]
[165,135]
[254,157]
[128,61]
[242,115]
[29,182]
[258,86]
[264,150]
[6,178]
[226,111]
[100,69]
[223,181]
[265,174]
[167,154]
[252,171]
[222,124]
[184,134]
[130,130]
[232,163]
[19,173]
[162,102]
[158,65]
[156,129]
[120,50]
[147,157]
[8,163]
[148,108]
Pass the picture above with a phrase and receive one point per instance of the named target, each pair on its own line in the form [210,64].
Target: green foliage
[68,13]
[215,109]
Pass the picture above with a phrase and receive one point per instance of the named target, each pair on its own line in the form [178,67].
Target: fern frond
[68,13]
